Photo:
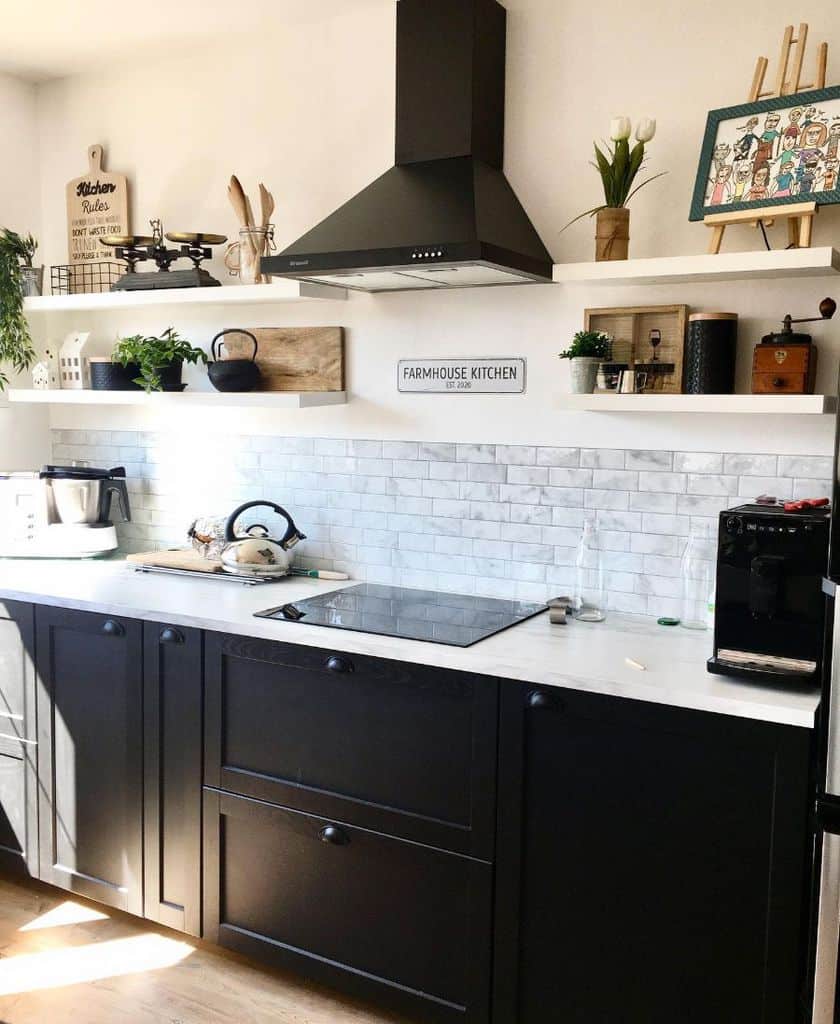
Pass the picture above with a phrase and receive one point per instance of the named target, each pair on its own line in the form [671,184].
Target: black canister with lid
[710,353]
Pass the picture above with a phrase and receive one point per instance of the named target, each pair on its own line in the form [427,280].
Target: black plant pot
[116,377]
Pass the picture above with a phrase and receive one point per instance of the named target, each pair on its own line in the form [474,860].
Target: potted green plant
[150,363]
[587,350]
[618,168]
[15,340]
[22,248]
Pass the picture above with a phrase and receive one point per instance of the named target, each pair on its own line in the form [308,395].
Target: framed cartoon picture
[771,153]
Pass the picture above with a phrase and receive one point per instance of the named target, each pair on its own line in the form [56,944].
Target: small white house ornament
[73,364]
[45,374]
[41,377]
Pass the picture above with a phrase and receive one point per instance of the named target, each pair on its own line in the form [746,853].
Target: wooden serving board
[184,558]
[294,358]
[97,204]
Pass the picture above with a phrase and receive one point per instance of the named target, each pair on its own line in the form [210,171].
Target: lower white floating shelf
[170,400]
[757,404]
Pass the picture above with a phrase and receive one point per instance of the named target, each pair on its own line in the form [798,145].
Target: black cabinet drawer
[374,916]
[395,747]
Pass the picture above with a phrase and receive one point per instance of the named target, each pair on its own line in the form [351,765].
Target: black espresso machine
[769,604]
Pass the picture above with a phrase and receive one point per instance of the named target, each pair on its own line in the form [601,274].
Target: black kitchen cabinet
[451,847]
[650,863]
[375,916]
[18,740]
[90,756]
[398,748]
[172,709]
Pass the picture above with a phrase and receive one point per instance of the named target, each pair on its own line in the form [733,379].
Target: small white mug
[632,382]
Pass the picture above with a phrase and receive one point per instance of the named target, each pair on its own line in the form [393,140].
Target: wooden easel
[799,216]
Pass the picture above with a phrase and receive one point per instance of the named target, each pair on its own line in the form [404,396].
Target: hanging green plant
[16,349]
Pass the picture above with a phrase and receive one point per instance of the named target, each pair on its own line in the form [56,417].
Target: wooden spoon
[266,205]
[242,208]
[238,201]
[266,209]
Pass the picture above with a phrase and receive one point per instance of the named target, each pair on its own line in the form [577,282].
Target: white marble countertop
[581,656]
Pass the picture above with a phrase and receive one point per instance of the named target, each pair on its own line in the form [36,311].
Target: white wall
[23,432]
[308,108]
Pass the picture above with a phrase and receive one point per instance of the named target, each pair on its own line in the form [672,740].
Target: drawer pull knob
[540,700]
[336,664]
[333,835]
[113,628]
[778,382]
[171,636]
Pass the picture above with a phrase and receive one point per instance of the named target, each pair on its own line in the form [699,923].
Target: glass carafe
[590,598]
[698,578]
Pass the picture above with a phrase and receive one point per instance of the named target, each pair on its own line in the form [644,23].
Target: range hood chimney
[444,216]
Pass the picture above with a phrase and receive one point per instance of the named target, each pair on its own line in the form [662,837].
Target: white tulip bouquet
[619,166]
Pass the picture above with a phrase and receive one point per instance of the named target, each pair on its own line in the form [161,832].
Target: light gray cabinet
[18,740]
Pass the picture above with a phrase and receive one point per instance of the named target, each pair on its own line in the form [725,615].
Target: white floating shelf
[239,294]
[172,400]
[780,263]
[761,405]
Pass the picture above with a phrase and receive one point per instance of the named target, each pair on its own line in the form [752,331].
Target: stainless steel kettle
[254,551]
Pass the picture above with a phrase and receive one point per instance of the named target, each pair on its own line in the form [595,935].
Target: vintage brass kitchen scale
[134,249]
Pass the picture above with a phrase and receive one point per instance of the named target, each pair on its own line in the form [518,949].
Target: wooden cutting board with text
[97,204]
[294,358]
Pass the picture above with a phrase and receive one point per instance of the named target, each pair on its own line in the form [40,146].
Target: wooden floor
[64,960]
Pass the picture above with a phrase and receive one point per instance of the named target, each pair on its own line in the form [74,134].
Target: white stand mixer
[61,512]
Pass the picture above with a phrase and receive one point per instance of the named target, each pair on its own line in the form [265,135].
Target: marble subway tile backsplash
[495,520]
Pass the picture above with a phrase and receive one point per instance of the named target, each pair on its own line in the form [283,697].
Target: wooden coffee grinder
[785,362]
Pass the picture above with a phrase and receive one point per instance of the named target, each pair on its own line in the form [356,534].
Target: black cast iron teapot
[233,374]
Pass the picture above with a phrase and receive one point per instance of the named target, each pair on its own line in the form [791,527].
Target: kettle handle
[291,532]
[232,330]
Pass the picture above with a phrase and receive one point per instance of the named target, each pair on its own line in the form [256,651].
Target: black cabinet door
[378,917]
[18,740]
[395,747]
[651,864]
[90,764]
[172,697]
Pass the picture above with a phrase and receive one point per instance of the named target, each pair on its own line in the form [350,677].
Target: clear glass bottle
[698,579]
[590,597]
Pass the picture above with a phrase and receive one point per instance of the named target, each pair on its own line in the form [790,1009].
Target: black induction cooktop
[455,619]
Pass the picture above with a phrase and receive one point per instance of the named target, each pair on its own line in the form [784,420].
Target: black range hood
[444,216]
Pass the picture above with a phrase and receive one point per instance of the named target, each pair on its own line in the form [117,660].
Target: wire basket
[85,278]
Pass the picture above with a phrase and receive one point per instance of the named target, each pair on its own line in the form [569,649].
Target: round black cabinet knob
[170,635]
[113,628]
[778,382]
[333,835]
[539,699]
[336,664]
